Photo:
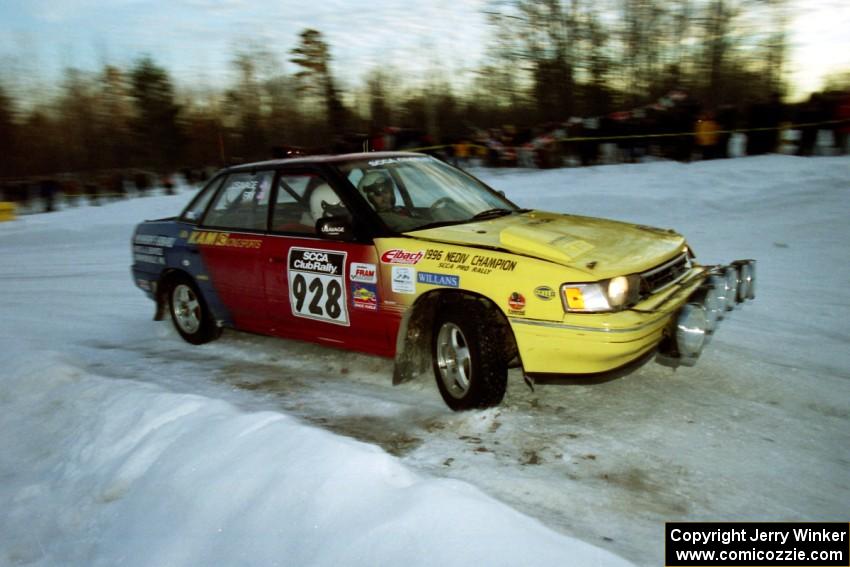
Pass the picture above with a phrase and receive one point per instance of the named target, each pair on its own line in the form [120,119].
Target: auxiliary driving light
[730,274]
[746,279]
[712,302]
[720,286]
[690,333]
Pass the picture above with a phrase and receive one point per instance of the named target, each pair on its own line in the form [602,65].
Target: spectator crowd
[676,127]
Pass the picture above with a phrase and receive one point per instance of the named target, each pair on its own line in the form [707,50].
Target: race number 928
[317,285]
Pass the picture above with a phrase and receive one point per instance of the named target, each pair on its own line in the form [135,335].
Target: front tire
[190,314]
[468,352]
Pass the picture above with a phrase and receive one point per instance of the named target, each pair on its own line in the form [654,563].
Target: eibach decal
[398,256]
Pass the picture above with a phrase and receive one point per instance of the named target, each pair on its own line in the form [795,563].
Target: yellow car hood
[603,248]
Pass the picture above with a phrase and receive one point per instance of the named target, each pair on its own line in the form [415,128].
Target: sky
[195,39]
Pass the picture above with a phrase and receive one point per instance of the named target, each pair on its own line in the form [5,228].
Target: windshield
[415,192]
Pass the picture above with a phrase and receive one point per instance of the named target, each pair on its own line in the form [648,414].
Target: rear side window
[242,202]
[302,199]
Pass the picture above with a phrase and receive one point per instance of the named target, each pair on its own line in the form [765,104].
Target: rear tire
[469,356]
[190,314]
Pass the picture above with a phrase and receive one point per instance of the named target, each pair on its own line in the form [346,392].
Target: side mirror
[335,228]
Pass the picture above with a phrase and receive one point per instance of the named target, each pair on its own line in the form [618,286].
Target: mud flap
[159,314]
[413,342]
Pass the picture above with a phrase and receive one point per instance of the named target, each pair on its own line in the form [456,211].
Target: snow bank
[99,471]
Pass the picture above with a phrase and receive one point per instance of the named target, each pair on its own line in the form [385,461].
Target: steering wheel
[442,202]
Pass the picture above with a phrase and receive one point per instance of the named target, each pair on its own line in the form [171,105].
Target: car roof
[328,158]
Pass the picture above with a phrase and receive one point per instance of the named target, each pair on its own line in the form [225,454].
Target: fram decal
[444,280]
[207,238]
[544,292]
[397,256]
[364,273]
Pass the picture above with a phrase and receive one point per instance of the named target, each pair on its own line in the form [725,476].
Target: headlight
[607,295]
[618,291]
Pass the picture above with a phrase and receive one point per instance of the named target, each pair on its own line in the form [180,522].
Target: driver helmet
[323,200]
[378,188]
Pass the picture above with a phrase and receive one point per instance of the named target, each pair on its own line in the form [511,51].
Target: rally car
[404,256]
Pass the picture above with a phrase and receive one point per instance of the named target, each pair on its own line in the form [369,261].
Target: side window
[302,199]
[196,208]
[243,202]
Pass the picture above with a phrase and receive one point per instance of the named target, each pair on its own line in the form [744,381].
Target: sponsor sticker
[364,296]
[465,262]
[317,285]
[544,292]
[385,161]
[208,238]
[516,301]
[154,240]
[332,229]
[397,256]
[149,258]
[363,273]
[403,279]
[444,280]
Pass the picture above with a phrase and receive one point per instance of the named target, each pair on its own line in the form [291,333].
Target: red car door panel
[326,291]
[235,265]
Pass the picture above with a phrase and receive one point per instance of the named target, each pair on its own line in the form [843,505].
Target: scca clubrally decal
[317,285]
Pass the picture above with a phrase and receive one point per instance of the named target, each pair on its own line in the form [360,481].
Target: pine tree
[313,56]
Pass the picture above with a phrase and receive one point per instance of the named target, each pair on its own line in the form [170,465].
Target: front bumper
[677,322]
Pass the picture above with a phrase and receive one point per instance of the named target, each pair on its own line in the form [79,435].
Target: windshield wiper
[488,214]
[436,224]
[493,213]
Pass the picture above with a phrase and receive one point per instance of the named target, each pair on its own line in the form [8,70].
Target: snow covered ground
[119,443]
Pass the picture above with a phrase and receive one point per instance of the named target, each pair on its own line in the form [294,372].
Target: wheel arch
[413,340]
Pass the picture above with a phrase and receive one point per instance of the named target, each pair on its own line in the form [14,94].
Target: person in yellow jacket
[707,132]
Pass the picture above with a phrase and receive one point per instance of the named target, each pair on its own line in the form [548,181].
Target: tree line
[546,61]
